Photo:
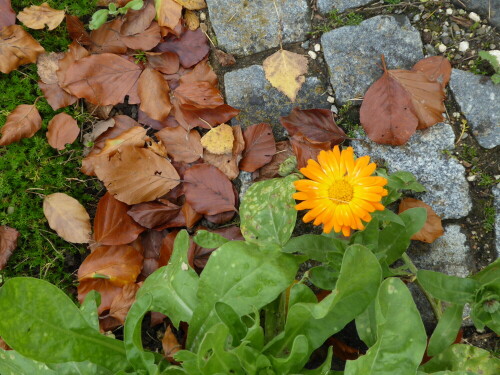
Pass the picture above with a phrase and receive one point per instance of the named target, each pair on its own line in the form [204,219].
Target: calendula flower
[340,191]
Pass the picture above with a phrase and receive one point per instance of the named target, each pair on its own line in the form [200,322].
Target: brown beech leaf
[153,214]
[435,68]
[75,52]
[228,163]
[192,47]
[192,4]
[106,289]
[199,95]
[190,117]
[305,150]
[146,40]
[67,217]
[76,30]
[270,170]
[164,62]
[62,130]
[260,147]
[119,265]
[191,19]
[17,48]
[8,243]
[102,79]
[112,225]
[154,93]
[23,122]
[56,96]
[221,218]
[181,145]
[432,228]
[225,59]
[208,190]
[136,21]
[170,345]
[168,13]
[36,17]
[107,38]
[123,301]
[7,14]
[201,72]
[315,125]
[135,175]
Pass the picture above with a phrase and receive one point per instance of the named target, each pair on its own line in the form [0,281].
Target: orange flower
[341,191]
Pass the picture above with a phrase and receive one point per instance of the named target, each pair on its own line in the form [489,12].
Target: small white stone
[456,114]
[472,178]
[475,17]
[317,47]
[334,109]
[416,18]
[463,46]
[313,55]
[330,99]
[203,16]
[442,48]
[449,11]
[446,23]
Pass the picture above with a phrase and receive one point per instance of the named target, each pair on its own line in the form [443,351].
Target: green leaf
[301,293]
[209,240]
[366,325]
[324,277]
[79,368]
[299,354]
[397,182]
[173,287]
[461,357]
[228,316]
[401,337]
[317,247]
[448,288]
[98,19]
[492,59]
[243,276]
[89,308]
[446,330]
[11,362]
[35,311]
[388,216]
[134,5]
[489,274]
[112,8]
[356,287]
[268,212]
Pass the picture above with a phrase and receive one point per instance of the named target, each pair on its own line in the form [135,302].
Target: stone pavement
[349,56]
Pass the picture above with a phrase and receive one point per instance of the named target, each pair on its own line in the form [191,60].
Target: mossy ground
[30,169]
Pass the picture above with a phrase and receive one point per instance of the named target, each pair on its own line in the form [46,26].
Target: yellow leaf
[36,17]
[192,4]
[285,70]
[192,21]
[219,140]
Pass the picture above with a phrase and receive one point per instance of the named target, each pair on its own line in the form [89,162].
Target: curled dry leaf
[67,217]
[102,79]
[225,59]
[192,47]
[154,214]
[7,14]
[270,170]
[76,31]
[432,229]
[208,190]
[135,175]
[285,70]
[192,20]
[36,17]
[8,243]
[154,91]
[170,345]
[23,122]
[168,13]
[305,150]
[119,265]
[112,225]
[17,48]
[192,4]
[62,130]
[260,147]
[181,145]
[123,301]
[219,140]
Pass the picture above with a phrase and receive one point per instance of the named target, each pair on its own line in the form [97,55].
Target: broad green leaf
[388,216]
[401,337]
[228,316]
[324,277]
[35,311]
[357,286]
[173,287]
[461,357]
[79,368]
[448,288]
[446,331]
[489,274]
[447,373]
[251,359]
[243,276]
[366,325]
[267,211]
[98,19]
[317,247]
[89,308]
[299,354]
[368,237]
[11,362]
[209,240]
[134,5]
[301,293]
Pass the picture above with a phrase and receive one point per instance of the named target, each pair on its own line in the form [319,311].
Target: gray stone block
[244,27]
[324,6]
[489,9]
[248,90]
[444,177]
[479,100]
[353,53]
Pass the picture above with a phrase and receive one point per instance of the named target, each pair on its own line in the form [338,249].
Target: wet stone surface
[479,100]
[244,27]
[444,177]
[353,53]
[248,90]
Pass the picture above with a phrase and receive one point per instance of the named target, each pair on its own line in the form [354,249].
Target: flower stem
[435,304]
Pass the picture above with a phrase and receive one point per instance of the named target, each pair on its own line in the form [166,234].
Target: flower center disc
[341,191]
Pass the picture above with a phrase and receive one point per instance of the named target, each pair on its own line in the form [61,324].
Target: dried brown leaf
[123,301]
[435,68]
[192,4]
[164,62]
[47,65]
[192,20]
[106,289]
[154,94]
[107,38]
[168,13]
[181,145]
[146,40]
[36,17]
[17,48]
[260,147]
[192,47]
[136,21]
[170,345]
[225,59]
[8,243]
[285,70]
[62,130]
[153,214]
[432,229]
[7,14]
[23,122]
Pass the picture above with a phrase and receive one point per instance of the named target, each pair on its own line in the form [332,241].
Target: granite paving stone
[325,6]
[489,9]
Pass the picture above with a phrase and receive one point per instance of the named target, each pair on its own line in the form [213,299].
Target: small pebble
[203,16]
[442,48]
[472,178]
[317,47]
[474,17]
[330,99]
[462,11]
[416,18]
[456,114]
[313,55]
[463,46]
[334,109]
[449,11]
[493,46]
